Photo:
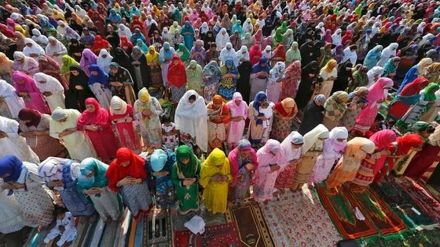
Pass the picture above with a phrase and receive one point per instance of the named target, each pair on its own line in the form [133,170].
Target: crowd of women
[106,104]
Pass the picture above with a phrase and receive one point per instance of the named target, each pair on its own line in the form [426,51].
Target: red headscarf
[32,115]
[255,54]
[99,117]
[176,72]
[100,43]
[408,141]
[125,43]
[116,172]
[279,53]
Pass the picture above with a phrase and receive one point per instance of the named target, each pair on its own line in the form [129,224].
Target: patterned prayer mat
[224,235]
[421,197]
[342,209]
[402,204]
[252,229]
[373,207]
[299,219]
[408,238]
[151,230]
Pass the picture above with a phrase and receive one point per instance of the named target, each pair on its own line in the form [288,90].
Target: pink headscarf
[28,86]
[233,159]
[378,90]
[99,117]
[383,139]
[265,156]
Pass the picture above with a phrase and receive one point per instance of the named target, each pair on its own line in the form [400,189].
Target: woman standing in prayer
[383,140]
[10,102]
[293,54]
[185,177]
[274,85]
[291,146]
[55,49]
[166,54]
[104,60]
[121,83]
[260,115]
[228,83]
[345,171]
[33,198]
[259,76]
[243,82]
[26,88]
[78,90]
[99,84]
[188,35]
[211,76]
[34,126]
[333,149]
[95,121]
[335,107]
[194,77]
[12,143]
[143,71]
[147,111]
[191,118]
[313,114]
[284,114]
[66,63]
[57,174]
[88,58]
[309,80]
[127,175]
[239,112]
[160,165]
[198,53]
[94,184]
[50,67]
[215,177]
[329,74]
[270,158]
[291,80]
[311,149]
[51,89]
[121,115]
[373,56]
[218,120]
[377,93]
[243,162]
[63,126]
[177,78]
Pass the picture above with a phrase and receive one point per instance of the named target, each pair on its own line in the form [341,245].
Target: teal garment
[389,68]
[185,52]
[237,28]
[97,180]
[177,16]
[141,44]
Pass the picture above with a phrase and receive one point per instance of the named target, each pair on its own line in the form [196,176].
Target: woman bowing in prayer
[215,177]
[10,102]
[57,174]
[121,115]
[329,74]
[228,83]
[12,143]
[239,113]
[127,175]
[99,84]
[121,83]
[10,214]
[95,121]
[270,158]
[335,107]
[147,111]
[191,118]
[218,121]
[345,171]
[63,126]
[290,80]
[23,181]
[27,89]
[160,164]
[177,78]
[34,126]
[185,176]
[311,149]
[333,149]
[94,184]
[284,113]
[51,89]
[291,146]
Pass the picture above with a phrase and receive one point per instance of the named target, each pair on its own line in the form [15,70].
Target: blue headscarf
[141,44]
[158,160]
[114,17]
[101,78]
[237,28]
[260,67]
[10,168]
[260,96]
[230,67]
[166,52]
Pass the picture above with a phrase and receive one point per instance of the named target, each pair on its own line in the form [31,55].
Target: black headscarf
[305,89]
[344,77]
[75,98]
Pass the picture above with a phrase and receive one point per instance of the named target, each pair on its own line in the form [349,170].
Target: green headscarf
[420,126]
[67,62]
[429,91]
[185,53]
[98,179]
[190,169]
[293,53]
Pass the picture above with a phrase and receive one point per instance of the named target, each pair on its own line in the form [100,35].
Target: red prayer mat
[224,235]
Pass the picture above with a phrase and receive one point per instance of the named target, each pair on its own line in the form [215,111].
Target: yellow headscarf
[152,55]
[216,158]
[144,95]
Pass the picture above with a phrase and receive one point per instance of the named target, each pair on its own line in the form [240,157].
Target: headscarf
[176,73]
[185,52]
[265,154]
[166,52]
[117,106]
[216,158]
[10,168]
[408,141]
[260,96]
[263,65]
[27,114]
[152,55]
[383,139]
[429,91]
[158,159]
[104,60]
[281,107]
[289,153]
[87,166]
[35,49]
[87,59]
[293,53]
[99,117]
[189,170]
[67,63]
[101,78]
[243,54]
[116,172]
[311,137]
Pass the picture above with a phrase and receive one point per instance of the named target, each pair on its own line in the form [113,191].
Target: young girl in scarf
[160,165]
[260,114]
[218,120]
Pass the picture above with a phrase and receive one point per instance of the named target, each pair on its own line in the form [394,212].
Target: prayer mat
[299,219]
[428,204]
[151,231]
[224,235]
[344,212]
[409,238]
[377,211]
[252,229]
[402,204]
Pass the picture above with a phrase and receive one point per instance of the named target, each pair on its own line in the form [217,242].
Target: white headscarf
[387,53]
[267,52]
[291,153]
[277,72]
[192,118]
[8,93]
[51,83]
[56,50]
[373,74]
[248,27]
[349,55]
[124,31]
[230,54]
[311,137]
[39,38]
[204,28]
[337,37]
[222,39]
[243,54]
[104,60]
[36,49]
